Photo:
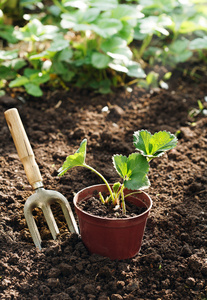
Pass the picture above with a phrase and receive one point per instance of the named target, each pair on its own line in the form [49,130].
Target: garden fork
[42,198]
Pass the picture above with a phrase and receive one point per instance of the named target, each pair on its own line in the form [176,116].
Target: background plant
[98,44]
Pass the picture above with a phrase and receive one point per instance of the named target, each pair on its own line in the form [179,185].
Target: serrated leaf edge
[115,164]
[149,155]
[62,170]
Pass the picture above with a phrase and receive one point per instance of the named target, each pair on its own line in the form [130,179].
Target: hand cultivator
[42,198]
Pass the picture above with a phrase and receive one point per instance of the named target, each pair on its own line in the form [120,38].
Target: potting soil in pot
[95,207]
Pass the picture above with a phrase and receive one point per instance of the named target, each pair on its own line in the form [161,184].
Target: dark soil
[94,206]
[172,262]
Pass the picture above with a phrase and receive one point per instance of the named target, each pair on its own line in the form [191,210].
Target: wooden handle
[23,147]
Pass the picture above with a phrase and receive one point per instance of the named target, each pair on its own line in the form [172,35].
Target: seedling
[132,169]
[196,111]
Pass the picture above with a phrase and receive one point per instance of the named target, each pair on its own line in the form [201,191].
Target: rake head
[43,200]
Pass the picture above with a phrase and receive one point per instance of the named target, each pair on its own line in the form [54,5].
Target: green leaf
[74,160]
[7,73]
[16,63]
[154,145]
[116,187]
[138,35]
[39,78]
[81,4]
[70,19]
[100,60]
[58,67]
[102,86]
[2,92]
[105,87]
[199,43]
[6,32]
[33,89]
[68,75]
[65,55]
[179,46]
[42,55]
[118,67]
[123,54]
[120,164]
[10,54]
[152,79]
[19,81]
[125,13]
[58,45]
[200,105]
[178,51]
[126,33]
[84,27]
[30,72]
[91,15]
[117,48]
[107,27]
[53,10]
[36,31]
[36,76]
[104,5]
[133,169]
[135,70]
[151,24]
[112,44]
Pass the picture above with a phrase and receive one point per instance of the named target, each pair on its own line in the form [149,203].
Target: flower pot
[112,237]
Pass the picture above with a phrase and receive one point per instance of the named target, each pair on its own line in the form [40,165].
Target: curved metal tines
[43,199]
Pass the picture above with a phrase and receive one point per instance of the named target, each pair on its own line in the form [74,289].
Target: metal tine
[50,220]
[32,226]
[67,211]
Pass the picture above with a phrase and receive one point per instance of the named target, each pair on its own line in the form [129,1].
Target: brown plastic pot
[112,237]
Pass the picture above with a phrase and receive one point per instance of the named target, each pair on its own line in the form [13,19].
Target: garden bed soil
[172,261]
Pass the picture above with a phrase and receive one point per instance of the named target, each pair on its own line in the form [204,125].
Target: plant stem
[121,191]
[145,44]
[101,197]
[62,8]
[137,192]
[103,178]
[122,200]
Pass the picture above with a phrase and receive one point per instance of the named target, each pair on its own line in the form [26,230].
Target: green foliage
[199,43]
[31,80]
[7,33]
[196,111]
[132,169]
[75,160]
[35,31]
[153,145]
[89,43]
[10,64]
[106,29]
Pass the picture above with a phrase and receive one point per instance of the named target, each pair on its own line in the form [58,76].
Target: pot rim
[112,219]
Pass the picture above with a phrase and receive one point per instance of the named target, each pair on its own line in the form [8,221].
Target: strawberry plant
[100,45]
[132,169]
[166,31]
[105,31]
